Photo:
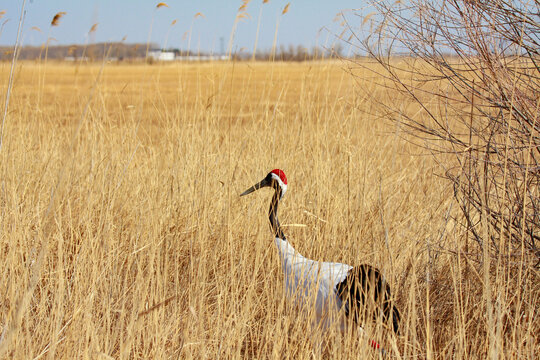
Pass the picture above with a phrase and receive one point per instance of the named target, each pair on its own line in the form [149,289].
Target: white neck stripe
[281,183]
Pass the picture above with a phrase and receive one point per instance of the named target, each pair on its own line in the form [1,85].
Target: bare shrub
[472,69]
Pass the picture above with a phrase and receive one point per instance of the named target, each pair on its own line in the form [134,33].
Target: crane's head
[275,179]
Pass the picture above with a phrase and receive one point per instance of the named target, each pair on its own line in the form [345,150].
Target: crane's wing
[365,289]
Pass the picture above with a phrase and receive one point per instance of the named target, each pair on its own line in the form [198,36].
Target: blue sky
[132,19]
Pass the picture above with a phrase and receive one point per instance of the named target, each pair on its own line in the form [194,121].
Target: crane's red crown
[280,174]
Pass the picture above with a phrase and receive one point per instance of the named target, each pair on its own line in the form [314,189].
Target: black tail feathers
[396,319]
[365,288]
[391,316]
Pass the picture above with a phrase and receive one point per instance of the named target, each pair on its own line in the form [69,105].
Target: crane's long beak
[257,186]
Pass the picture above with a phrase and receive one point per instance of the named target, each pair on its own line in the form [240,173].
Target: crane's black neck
[272,214]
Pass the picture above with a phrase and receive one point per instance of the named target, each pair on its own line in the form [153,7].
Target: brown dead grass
[150,253]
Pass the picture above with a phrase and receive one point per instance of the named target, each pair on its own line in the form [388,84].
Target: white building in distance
[166,55]
[161,55]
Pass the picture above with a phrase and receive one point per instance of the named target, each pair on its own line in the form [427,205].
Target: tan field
[123,235]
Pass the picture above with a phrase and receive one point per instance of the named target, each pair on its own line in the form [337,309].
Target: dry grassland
[123,235]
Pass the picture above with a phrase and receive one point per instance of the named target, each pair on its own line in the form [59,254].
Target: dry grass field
[122,234]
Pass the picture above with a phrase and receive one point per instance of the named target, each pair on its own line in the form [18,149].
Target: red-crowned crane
[330,289]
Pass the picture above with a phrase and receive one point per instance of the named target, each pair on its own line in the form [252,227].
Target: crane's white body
[311,285]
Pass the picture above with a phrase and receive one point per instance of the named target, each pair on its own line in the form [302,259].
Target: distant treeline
[118,51]
[122,51]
